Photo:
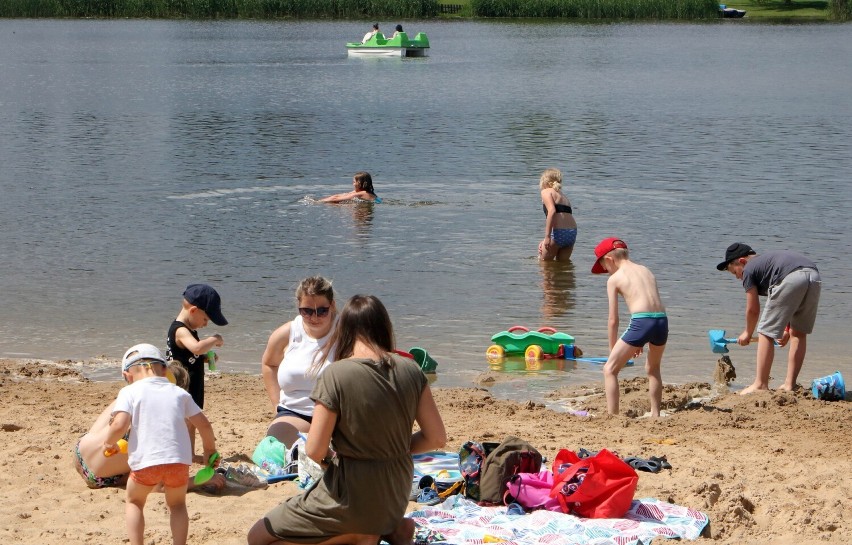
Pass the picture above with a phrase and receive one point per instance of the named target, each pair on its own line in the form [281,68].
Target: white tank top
[296,385]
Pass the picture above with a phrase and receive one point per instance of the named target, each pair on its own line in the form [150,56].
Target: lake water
[137,157]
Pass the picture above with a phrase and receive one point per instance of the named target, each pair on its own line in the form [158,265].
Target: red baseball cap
[604,247]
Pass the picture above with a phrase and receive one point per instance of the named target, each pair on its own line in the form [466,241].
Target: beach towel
[459,521]
[442,466]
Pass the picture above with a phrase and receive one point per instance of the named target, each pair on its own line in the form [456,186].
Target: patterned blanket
[460,521]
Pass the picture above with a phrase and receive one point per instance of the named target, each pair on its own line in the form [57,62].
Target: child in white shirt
[159,449]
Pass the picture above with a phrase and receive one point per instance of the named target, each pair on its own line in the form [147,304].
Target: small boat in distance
[730,13]
[398,46]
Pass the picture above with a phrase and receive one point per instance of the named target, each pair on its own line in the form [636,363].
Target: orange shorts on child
[171,475]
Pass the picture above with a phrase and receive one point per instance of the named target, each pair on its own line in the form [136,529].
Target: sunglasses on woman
[308,312]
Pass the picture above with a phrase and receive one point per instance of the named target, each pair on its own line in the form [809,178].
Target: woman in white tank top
[289,354]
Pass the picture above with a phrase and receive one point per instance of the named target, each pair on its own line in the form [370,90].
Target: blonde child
[362,183]
[159,451]
[99,471]
[648,321]
[201,304]
[179,374]
[560,229]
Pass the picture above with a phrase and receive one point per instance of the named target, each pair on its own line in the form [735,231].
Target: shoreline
[768,467]
[569,398]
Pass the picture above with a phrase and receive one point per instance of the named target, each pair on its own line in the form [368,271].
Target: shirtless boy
[648,322]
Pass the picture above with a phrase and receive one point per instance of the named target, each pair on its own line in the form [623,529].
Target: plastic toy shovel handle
[207,472]
[279,478]
[596,360]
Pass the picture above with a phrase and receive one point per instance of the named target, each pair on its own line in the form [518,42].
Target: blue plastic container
[830,388]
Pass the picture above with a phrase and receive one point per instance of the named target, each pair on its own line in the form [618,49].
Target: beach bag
[270,452]
[532,491]
[510,457]
[600,486]
[472,454]
[308,472]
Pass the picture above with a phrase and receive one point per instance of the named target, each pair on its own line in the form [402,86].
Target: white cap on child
[140,352]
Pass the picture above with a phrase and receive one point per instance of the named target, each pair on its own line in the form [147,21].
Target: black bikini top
[560,209]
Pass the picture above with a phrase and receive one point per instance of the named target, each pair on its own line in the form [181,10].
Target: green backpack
[511,456]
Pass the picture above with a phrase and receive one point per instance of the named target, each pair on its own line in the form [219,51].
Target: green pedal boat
[398,46]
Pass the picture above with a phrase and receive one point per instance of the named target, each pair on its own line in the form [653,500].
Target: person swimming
[362,183]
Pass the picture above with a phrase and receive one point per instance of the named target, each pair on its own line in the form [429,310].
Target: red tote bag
[606,490]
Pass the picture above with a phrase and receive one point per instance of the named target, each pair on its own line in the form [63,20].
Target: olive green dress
[365,489]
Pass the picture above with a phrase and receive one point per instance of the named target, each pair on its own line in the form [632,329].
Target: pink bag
[532,491]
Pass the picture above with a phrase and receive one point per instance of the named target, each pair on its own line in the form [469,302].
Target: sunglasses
[308,312]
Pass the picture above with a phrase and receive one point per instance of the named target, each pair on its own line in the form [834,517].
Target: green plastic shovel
[207,472]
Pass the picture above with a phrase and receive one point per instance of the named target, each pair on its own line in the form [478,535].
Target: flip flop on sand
[642,464]
[664,464]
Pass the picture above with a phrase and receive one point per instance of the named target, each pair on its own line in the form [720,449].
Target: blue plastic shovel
[718,342]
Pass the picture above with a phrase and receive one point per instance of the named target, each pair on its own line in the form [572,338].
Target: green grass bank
[598,9]
[763,10]
[800,10]
[223,9]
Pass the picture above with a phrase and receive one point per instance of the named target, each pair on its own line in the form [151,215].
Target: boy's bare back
[649,324]
[637,285]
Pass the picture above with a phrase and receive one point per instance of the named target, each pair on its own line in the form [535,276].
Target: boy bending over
[648,321]
[792,285]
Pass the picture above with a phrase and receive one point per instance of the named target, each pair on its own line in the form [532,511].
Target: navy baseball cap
[207,299]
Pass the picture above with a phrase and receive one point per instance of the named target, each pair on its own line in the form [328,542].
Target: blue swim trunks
[564,237]
[647,327]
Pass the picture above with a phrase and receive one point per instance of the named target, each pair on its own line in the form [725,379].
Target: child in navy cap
[201,303]
[791,284]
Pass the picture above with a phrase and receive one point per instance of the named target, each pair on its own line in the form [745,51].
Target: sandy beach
[772,467]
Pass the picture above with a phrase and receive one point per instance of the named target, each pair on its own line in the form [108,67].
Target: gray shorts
[794,301]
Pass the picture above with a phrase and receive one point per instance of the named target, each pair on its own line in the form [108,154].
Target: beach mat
[440,465]
[459,521]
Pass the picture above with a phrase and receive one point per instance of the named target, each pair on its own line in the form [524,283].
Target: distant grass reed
[230,9]
[598,9]
[841,10]
[838,10]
